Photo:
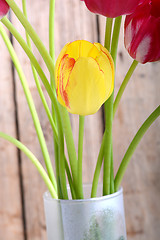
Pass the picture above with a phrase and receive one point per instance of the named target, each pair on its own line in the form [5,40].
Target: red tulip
[4,8]
[142,32]
[112,8]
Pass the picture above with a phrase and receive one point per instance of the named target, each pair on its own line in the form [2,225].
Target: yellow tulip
[84,77]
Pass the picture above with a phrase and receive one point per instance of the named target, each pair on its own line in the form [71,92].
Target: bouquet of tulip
[81,81]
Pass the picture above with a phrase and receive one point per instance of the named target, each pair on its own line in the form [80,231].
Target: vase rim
[48,197]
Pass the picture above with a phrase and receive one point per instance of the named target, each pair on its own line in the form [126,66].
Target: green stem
[51,43]
[31,105]
[132,147]
[70,144]
[52,46]
[108,33]
[80,155]
[123,85]
[70,180]
[34,160]
[56,155]
[107,43]
[62,174]
[109,115]
[38,83]
[107,147]
[98,169]
[51,30]
[112,173]
[115,38]
[38,43]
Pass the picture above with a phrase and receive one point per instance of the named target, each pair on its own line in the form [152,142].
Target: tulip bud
[84,77]
[4,8]
[112,8]
[142,32]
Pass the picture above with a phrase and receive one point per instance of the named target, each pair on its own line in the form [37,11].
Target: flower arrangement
[81,81]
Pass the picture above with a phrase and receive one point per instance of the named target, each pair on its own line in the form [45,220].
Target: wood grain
[11,224]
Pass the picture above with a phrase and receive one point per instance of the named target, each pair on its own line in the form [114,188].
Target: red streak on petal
[110,60]
[66,67]
[66,99]
[99,66]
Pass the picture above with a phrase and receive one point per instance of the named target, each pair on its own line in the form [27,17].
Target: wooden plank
[71,18]
[33,184]
[141,181]
[11,225]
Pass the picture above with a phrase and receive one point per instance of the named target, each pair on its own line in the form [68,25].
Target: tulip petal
[155,11]
[112,8]
[142,32]
[84,77]
[107,66]
[79,48]
[86,93]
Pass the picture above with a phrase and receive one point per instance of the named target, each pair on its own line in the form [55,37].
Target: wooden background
[21,187]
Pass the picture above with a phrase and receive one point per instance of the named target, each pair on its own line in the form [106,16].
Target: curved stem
[34,61]
[37,81]
[34,160]
[123,85]
[59,164]
[133,145]
[38,43]
[80,155]
[51,94]
[31,105]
